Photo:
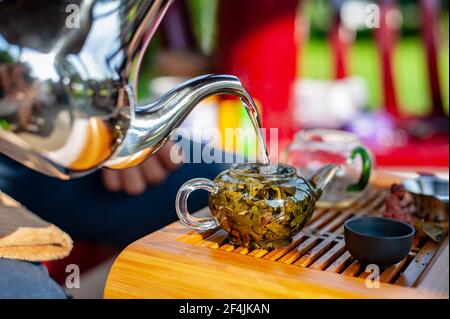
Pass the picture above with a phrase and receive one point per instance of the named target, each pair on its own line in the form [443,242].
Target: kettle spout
[152,124]
[320,179]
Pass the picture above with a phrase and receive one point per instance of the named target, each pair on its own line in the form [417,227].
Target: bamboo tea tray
[178,262]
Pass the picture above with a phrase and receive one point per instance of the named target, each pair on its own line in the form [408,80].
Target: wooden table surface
[177,262]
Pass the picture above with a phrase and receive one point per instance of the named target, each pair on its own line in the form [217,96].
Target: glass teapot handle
[365,171]
[201,223]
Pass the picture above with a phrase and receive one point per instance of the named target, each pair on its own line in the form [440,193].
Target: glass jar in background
[311,149]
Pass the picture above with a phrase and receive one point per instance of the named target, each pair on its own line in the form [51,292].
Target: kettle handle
[201,223]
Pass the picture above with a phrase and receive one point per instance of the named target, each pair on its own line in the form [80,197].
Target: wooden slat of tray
[323,220]
[214,240]
[315,264]
[324,261]
[391,272]
[353,270]
[280,252]
[436,278]
[193,236]
[316,252]
[418,264]
[258,253]
[241,251]
[299,251]
[341,263]
[337,222]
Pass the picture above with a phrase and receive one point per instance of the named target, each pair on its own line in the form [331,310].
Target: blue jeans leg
[24,280]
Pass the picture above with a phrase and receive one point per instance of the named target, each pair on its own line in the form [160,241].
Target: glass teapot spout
[320,179]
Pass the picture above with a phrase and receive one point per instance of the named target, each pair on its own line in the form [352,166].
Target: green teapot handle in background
[365,171]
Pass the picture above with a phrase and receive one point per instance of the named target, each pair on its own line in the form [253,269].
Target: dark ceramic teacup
[378,240]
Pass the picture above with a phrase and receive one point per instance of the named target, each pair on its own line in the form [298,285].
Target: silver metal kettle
[68,85]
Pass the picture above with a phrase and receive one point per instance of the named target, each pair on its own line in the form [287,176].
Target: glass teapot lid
[262,171]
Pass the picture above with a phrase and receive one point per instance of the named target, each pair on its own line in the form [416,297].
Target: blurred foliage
[316,61]
[410,69]
[147,70]
[204,20]
[5,57]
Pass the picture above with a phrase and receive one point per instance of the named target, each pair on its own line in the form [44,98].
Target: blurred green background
[410,68]
[315,56]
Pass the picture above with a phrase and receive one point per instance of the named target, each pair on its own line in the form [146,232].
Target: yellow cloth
[25,236]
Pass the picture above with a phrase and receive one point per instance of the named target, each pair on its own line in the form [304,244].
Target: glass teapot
[68,75]
[257,206]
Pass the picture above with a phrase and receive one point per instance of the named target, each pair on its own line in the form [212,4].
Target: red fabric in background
[257,44]
[432,152]
[386,37]
[85,255]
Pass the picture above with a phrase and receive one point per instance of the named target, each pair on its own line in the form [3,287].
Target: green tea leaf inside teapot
[262,211]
